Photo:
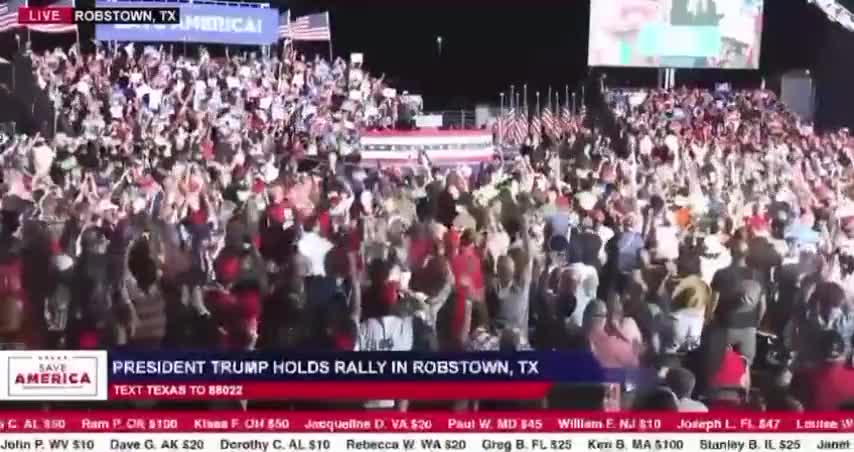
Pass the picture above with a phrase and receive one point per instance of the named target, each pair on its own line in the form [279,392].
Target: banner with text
[128,375]
[200,23]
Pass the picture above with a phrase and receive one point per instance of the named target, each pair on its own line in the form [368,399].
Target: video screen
[717,34]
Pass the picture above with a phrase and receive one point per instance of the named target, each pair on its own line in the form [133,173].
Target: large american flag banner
[314,27]
[285,25]
[443,147]
[9,14]
[56,28]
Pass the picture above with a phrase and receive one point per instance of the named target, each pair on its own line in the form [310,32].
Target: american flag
[520,130]
[314,27]
[56,28]
[566,117]
[505,124]
[284,25]
[513,127]
[549,123]
[536,127]
[9,14]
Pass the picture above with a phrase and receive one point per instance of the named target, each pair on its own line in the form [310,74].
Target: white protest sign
[83,88]
[143,90]
[278,112]
[154,98]
[357,58]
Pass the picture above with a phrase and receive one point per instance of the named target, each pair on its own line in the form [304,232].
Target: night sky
[490,44]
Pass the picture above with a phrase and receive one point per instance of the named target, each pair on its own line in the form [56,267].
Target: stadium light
[836,12]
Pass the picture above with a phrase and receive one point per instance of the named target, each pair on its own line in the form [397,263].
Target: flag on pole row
[536,128]
[56,28]
[520,130]
[566,117]
[285,25]
[9,15]
[506,124]
[314,27]
[549,123]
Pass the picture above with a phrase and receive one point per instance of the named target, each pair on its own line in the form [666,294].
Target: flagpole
[512,97]
[537,109]
[525,97]
[566,99]
[501,124]
[284,52]
[329,26]
[549,106]
[583,96]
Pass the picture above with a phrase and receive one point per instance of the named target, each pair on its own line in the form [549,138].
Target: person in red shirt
[467,268]
[728,385]
[830,384]
[277,230]
[234,307]
[467,264]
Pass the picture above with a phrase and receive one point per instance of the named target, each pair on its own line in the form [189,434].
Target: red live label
[55,15]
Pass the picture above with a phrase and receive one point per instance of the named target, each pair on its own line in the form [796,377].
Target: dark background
[491,44]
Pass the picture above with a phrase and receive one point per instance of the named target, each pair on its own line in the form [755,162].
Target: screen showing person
[720,34]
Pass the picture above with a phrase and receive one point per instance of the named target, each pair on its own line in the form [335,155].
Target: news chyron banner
[204,376]
[532,431]
[238,23]
[249,398]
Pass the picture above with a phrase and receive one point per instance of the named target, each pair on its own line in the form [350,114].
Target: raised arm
[355,287]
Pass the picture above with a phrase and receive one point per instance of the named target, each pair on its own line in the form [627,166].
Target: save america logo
[53,375]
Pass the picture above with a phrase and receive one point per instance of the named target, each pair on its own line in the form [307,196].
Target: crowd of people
[220,203]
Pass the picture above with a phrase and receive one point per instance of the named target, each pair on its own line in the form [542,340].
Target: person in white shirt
[585,283]
[390,325]
[315,247]
[715,257]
